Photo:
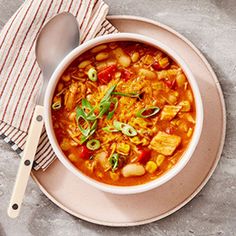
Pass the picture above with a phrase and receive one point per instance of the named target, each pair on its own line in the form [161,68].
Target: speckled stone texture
[211,26]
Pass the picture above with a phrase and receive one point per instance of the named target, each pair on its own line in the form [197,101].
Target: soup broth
[123,113]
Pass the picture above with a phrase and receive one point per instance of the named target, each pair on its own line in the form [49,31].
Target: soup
[123,113]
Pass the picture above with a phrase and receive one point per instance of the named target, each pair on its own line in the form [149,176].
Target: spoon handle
[26,162]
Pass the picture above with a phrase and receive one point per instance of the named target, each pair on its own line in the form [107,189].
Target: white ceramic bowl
[49,127]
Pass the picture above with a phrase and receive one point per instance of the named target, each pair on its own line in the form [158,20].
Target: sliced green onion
[108,93]
[125,128]
[114,160]
[92,131]
[151,110]
[93,144]
[94,127]
[56,105]
[111,113]
[104,108]
[132,95]
[86,106]
[92,74]
[83,139]
[118,125]
[85,132]
[80,115]
[91,117]
[129,131]
[110,129]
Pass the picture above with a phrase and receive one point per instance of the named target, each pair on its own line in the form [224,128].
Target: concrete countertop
[211,26]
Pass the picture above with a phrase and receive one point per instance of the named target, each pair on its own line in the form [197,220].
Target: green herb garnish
[110,129]
[129,131]
[108,93]
[111,113]
[114,160]
[125,128]
[148,112]
[92,74]
[88,110]
[92,131]
[80,115]
[93,144]
[104,108]
[85,115]
[56,105]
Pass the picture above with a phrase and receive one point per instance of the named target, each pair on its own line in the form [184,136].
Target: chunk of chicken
[102,159]
[70,96]
[76,90]
[169,112]
[165,143]
[186,106]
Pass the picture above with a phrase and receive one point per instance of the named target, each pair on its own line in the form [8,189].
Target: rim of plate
[202,184]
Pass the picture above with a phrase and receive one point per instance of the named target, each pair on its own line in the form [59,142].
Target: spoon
[58,37]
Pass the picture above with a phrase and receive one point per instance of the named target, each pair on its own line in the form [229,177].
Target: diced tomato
[170,83]
[156,66]
[144,156]
[126,74]
[105,75]
[84,153]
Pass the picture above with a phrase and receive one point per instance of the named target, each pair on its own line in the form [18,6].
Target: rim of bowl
[65,63]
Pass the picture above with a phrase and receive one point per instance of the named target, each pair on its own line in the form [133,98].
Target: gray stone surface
[211,26]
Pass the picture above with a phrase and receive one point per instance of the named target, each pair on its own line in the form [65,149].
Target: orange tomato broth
[158,80]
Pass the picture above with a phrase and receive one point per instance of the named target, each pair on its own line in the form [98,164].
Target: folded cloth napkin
[20,76]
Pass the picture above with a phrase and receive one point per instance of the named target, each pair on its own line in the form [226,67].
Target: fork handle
[26,162]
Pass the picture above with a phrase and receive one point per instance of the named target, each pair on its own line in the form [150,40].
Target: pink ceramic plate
[88,203]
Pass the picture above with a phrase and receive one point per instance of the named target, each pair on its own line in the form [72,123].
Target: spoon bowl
[58,37]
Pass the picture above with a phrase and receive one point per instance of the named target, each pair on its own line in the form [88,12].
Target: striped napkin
[20,76]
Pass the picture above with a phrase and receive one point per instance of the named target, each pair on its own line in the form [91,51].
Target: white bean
[124,60]
[102,64]
[133,170]
[102,56]
[121,57]
[99,48]
[83,64]
[135,57]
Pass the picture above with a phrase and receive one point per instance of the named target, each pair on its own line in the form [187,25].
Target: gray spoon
[58,37]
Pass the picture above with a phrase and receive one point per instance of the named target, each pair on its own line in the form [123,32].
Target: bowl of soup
[123,113]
